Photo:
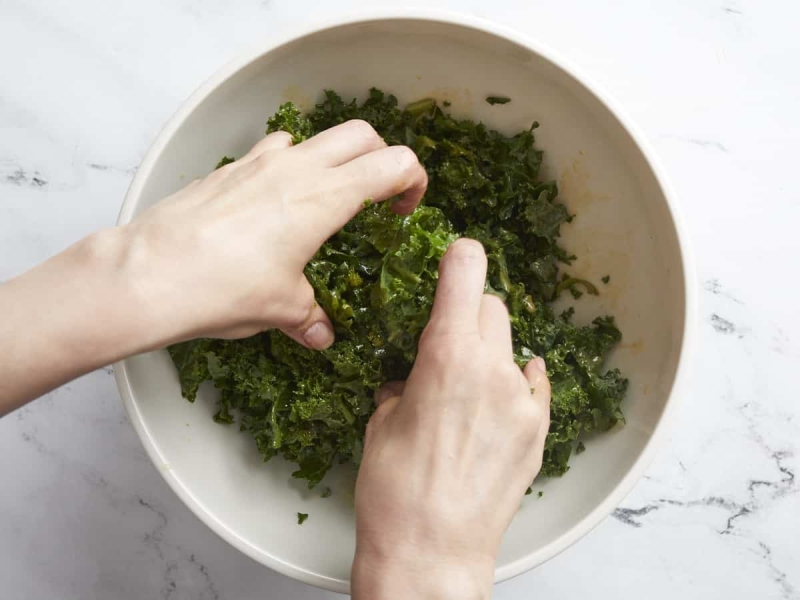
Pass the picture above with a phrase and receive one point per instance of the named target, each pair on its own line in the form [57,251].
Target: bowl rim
[312,27]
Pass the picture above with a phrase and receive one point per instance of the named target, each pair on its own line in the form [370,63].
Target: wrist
[119,273]
[417,576]
[154,288]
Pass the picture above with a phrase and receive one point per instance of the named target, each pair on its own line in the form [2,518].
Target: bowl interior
[623,229]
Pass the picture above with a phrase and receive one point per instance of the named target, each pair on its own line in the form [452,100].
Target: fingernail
[401,208]
[318,336]
[540,363]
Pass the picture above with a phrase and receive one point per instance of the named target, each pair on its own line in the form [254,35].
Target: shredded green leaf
[498,100]
[225,160]
[376,280]
[569,283]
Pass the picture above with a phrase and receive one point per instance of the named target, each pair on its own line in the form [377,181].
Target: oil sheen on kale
[376,279]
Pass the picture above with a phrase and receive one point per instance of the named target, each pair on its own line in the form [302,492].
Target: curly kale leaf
[192,364]
[290,119]
[225,160]
[376,280]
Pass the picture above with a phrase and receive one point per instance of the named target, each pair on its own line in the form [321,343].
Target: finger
[341,144]
[279,140]
[378,175]
[310,327]
[378,417]
[536,374]
[411,198]
[383,174]
[459,293]
[389,390]
[494,323]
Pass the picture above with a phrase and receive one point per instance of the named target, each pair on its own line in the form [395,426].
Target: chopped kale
[225,160]
[567,314]
[498,100]
[376,280]
[570,283]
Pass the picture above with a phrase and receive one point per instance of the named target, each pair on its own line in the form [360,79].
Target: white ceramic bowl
[626,227]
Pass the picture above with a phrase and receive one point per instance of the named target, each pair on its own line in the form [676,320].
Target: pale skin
[448,453]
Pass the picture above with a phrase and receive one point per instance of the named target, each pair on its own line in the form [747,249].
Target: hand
[449,454]
[226,254]
[222,257]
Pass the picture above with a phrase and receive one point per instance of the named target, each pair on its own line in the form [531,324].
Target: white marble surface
[86,85]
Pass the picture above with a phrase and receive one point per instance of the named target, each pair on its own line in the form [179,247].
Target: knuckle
[281,136]
[405,158]
[506,371]
[362,129]
[299,313]
[262,161]
[423,177]
[221,173]
[442,353]
[532,414]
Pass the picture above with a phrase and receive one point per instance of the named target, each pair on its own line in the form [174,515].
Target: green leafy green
[571,283]
[376,280]
[225,160]
[498,100]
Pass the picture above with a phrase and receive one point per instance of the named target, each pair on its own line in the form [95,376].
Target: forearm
[82,309]
[376,578]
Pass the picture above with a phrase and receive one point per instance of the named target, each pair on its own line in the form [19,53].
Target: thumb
[313,328]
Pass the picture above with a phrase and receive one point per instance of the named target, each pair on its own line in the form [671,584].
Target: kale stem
[569,282]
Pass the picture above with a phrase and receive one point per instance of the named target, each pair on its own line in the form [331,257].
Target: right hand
[449,454]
